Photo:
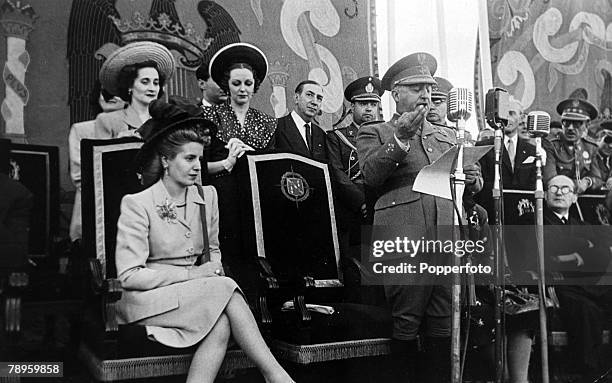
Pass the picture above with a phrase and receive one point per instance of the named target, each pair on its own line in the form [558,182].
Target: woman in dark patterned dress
[238,69]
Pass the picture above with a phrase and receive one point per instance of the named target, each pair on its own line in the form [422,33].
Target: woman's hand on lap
[208,269]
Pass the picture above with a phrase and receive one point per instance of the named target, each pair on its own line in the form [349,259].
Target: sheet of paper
[434,179]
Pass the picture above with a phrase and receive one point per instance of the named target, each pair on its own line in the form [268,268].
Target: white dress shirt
[511,141]
[299,122]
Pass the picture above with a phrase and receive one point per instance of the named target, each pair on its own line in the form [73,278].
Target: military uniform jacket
[575,163]
[602,170]
[344,163]
[392,171]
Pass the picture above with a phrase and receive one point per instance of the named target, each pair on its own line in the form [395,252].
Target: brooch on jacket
[167,211]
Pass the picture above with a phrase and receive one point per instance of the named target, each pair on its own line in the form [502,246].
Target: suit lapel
[162,197]
[294,138]
[318,138]
[193,205]
[521,152]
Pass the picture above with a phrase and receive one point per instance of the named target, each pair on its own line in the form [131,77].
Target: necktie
[564,220]
[308,137]
[511,152]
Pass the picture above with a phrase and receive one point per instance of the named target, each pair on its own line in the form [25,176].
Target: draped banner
[329,41]
[544,51]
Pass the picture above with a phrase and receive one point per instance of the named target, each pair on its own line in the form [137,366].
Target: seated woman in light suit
[161,236]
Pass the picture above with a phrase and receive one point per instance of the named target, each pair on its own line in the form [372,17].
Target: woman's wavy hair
[226,76]
[128,75]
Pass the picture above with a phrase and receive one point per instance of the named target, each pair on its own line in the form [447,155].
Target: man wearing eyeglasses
[391,154]
[575,249]
[571,155]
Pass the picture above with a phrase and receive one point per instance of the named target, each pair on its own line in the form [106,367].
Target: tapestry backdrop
[330,41]
[543,51]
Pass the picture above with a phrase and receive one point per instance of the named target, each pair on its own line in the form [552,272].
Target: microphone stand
[459,187]
[498,249]
[539,198]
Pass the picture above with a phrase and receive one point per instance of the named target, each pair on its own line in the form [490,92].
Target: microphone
[497,107]
[538,124]
[459,104]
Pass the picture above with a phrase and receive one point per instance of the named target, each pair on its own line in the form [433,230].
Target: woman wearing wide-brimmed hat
[168,258]
[239,70]
[137,73]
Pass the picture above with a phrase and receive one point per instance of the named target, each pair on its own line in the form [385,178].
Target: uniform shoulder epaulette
[338,128]
[590,140]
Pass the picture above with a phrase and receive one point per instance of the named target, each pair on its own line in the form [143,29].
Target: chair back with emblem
[293,213]
[110,351]
[290,227]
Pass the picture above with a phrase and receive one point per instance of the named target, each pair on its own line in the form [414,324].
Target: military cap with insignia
[417,68]
[577,109]
[367,88]
[441,88]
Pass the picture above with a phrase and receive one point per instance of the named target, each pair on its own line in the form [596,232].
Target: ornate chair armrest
[109,290]
[97,278]
[18,280]
[266,274]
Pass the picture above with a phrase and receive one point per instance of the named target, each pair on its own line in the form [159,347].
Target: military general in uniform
[391,154]
[570,154]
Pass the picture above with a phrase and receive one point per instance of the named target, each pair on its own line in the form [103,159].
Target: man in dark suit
[576,249]
[211,93]
[518,161]
[297,132]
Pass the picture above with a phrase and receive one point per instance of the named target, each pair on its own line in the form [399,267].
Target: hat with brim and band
[417,68]
[440,90]
[135,53]
[238,53]
[577,110]
[166,118]
[367,88]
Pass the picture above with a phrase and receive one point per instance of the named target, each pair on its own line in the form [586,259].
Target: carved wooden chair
[110,351]
[36,167]
[289,226]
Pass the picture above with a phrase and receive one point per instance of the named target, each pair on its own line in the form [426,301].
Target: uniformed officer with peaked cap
[364,96]
[439,94]
[351,211]
[570,154]
[391,154]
